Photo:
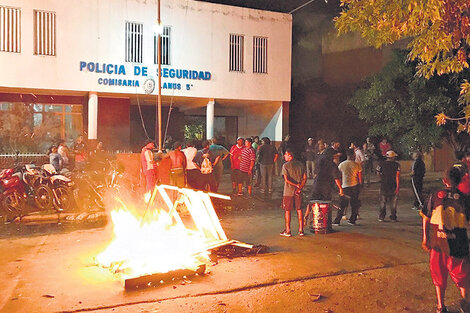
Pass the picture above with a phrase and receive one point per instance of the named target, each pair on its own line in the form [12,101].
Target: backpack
[206,165]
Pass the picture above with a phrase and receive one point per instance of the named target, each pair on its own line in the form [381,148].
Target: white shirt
[190,153]
[360,158]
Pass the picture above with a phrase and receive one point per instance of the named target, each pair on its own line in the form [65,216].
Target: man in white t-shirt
[192,172]
[351,183]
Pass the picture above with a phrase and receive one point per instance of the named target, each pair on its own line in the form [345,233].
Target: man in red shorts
[445,221]
[295,178]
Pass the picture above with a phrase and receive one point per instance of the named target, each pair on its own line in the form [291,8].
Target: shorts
[291,202]
[245,178]
[441,265]
[237,176]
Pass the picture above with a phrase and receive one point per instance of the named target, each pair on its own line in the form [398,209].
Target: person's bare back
[178,159]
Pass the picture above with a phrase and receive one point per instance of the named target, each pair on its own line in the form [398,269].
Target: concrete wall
[94,31]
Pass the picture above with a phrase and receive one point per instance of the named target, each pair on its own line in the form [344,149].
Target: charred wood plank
[157,278]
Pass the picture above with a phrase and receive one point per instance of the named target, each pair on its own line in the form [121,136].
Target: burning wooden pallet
[187,219]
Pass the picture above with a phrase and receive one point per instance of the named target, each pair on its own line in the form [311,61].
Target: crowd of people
[78,156]
[252,163]
[445,214]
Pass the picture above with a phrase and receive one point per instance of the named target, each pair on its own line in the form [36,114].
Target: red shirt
[236,153]
[248,156]
[384,148]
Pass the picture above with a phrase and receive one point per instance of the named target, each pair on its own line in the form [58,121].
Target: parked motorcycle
[61,187]
[36,187]
[92,186]
[11,195]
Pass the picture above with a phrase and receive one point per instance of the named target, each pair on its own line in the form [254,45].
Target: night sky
[317,109]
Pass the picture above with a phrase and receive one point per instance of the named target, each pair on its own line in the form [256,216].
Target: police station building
[91,67]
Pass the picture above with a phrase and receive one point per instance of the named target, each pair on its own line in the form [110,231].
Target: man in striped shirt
[247,162]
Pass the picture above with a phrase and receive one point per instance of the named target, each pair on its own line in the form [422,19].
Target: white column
[210,119]
[93,115]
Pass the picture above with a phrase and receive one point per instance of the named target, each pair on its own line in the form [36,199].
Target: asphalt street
[370,267]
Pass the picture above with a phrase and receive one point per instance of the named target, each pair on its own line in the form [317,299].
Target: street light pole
[158,118]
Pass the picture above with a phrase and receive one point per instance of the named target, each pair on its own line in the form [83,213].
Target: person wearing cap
[310,157]
[389,172]
[235,158]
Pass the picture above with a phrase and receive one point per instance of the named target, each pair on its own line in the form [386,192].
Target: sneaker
[442,310]
[464,306]
[381,219]
[301,233]
[415,208]
[351,223]
[335,224]
[285,234]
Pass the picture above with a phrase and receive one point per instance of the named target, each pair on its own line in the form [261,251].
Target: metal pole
[158,122]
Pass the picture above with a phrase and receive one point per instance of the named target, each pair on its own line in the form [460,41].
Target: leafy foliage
[17,133]
[194,130]
[438,30]
[398,104]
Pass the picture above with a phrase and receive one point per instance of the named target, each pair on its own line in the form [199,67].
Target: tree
[18,134]
[399,104]
[438,30]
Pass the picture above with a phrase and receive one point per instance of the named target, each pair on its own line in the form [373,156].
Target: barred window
[260,54]
[134,42]
[236,53]
[44,33]
[10,25]
[165,46]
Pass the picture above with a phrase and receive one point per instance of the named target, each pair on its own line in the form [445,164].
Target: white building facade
[91,66]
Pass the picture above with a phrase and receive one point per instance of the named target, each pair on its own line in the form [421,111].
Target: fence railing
[12,160]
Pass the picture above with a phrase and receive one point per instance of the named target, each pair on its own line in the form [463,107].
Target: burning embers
[171,238]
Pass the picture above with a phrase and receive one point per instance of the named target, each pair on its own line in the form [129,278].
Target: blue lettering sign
[109,69]
[91,67]
[122,70]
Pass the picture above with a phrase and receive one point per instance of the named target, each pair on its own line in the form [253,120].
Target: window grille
[134,39]
[236,53]
[165,46]
[260,54]
[44,33]
[10,25]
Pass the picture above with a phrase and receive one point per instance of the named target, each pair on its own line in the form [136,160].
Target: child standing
[445,219]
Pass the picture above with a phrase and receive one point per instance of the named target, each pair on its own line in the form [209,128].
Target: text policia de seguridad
[120,69]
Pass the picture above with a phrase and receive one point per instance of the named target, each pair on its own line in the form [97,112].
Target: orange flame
[159,241]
